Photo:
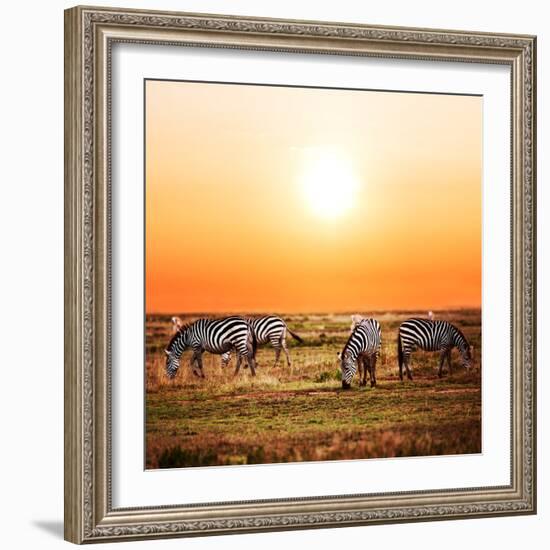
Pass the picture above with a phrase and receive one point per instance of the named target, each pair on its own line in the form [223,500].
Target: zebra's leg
[406,359]
[366,369]
[369,369]
[360,369]
[199,363]
[192,363]
[282,343]
[251,362]
[277,354]
[238,365]
[449,360]
[285,349]
[373,370]
[401,369]
[194,359]
[249,352]
[442,358]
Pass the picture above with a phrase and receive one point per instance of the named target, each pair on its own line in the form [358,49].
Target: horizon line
[315,312]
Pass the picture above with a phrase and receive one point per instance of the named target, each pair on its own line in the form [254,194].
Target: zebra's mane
[347,343]
[461,335]
[178,334]
[349,339]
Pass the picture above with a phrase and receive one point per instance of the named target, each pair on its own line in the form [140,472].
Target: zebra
[431,335]
[363,360]
[272,329]
[215,336]
[362,348]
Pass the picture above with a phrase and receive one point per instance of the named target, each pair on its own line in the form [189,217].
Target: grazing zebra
[362,348]
[215,336]
[363,360]
[431,335]
[272,329]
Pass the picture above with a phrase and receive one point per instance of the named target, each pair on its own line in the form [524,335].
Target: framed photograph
[299,274]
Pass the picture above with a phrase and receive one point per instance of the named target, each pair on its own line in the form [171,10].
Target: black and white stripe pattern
[215,336]
[362,348]
[269,329]
[431,335]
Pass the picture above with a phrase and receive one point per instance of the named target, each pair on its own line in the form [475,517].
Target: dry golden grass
[300,413]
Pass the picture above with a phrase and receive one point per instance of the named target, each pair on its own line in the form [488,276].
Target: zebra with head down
[267,329]
[431,335]
[215,336]
[362,350]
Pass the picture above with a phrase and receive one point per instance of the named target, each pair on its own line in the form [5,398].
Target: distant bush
[327,376]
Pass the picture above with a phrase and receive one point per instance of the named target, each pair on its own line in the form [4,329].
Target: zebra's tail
[399,351]
[295,336]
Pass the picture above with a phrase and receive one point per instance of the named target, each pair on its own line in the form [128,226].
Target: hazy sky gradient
[230,227]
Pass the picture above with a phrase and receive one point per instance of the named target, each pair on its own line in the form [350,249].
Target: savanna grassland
[301,413]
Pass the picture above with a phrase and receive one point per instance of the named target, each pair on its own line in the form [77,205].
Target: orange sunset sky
[281,199]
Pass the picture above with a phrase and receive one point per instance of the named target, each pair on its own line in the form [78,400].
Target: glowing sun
[329,183]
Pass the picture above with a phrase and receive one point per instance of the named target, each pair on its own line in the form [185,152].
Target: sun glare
[329,183]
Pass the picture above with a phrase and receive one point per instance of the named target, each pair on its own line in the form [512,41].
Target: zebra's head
[467,355]
[173,352]
[348,368]
[464,347]
[172,363]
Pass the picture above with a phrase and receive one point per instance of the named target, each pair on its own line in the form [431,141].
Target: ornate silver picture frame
[90,34]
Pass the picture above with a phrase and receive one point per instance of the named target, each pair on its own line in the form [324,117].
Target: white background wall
[31,274]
